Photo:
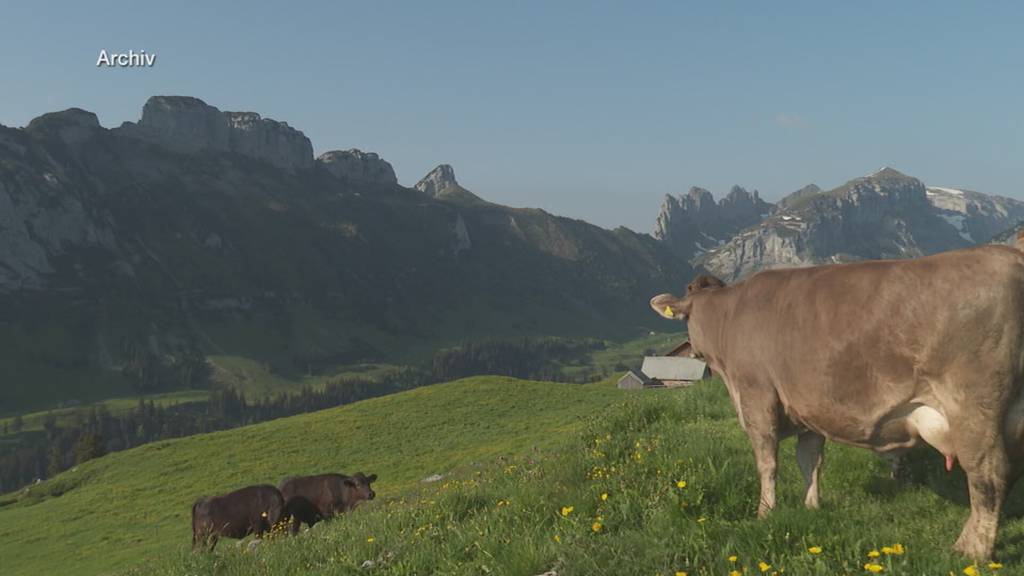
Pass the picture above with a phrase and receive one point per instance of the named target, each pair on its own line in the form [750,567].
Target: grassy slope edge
[527,466]
[129,507]
[660,483]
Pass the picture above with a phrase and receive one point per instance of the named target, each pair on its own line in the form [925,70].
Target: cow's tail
[195,529]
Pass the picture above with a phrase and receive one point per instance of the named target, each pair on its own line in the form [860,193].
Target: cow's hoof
[972,546]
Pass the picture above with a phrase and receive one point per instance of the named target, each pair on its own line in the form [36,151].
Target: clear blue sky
[593,110]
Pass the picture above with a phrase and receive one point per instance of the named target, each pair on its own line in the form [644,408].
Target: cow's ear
[668,306]
[703,282]
[350,482]
[371,478]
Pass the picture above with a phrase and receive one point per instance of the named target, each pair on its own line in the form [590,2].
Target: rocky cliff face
[189,125]
[358,167]
[694,223]
[197,231]
[884,215]
[977,217]
[47,205]
[438,181]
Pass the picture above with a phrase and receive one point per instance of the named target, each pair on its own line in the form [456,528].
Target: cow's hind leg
[987,466]
[810,449]
[763,431]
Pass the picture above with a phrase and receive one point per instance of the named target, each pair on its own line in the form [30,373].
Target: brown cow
[250,510]
[877,354]
[310,499]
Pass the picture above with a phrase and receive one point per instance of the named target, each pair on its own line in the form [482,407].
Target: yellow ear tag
[668,311]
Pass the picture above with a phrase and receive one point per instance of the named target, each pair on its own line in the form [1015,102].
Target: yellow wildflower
[681,484]
[764,566]
[971,571]
[994,565]
[701,520]
[814,549]
[370,539]
[596,526]
[680,573]
[604,496]
[557,538]
[876,568]
[898,549]
[733,558]
[566,510]
[873,554]
[735,573]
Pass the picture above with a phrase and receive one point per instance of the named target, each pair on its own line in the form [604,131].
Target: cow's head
[680,307]
[359,486]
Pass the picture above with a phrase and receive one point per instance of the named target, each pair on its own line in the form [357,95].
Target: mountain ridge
[885,214]
[196,231]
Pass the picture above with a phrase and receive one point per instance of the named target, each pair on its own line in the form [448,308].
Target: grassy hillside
[577,479]
[130,507]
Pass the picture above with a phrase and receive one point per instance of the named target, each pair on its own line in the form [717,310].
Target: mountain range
[129,254]
[886,214]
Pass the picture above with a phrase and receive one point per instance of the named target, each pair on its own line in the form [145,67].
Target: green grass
[514,455]
[130,507]
[626,353]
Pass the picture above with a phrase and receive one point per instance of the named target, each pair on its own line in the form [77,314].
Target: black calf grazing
[250,510]
[309,499]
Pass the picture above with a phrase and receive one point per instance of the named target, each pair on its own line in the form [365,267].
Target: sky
[593,110]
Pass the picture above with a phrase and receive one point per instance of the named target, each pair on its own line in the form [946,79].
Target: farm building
[676,368]
[674,371]
[633,380]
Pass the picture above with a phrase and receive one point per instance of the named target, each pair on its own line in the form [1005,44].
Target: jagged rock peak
[794,198]
[72,125]
[700,195]
[888,173]
[355,165]
[189,125]
[739,195]
[438,181]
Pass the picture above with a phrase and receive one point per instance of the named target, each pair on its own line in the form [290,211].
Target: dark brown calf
[309,499]
[250,510]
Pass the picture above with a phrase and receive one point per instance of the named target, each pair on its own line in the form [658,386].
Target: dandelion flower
[814,549]
[971,571]
[701,520]
[680,484]
[370,539]
[871,567]
[874,554]
[994,565]
[898,549]
[604,496]
[764,566]
[557,538]
[733,558]
[735,573]
[680,573]
[566,510]
[596,526]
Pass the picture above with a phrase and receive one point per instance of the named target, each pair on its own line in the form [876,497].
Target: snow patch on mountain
[957,221]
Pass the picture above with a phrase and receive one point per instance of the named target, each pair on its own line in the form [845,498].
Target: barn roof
[678,349]
[673,368]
